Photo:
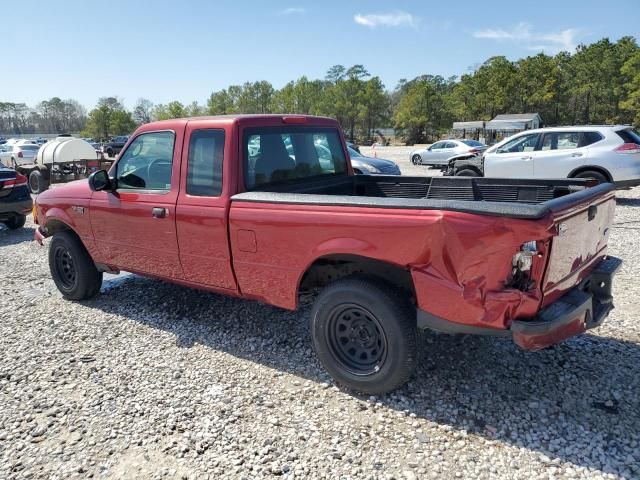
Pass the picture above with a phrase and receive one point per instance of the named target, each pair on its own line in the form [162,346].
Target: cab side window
[146,164]
[560,141]
[524,143]
[204,168]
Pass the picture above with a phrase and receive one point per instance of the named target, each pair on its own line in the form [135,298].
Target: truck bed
[516,198]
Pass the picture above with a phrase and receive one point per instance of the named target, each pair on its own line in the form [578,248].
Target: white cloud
[523,34]
[292,11]
[391,19]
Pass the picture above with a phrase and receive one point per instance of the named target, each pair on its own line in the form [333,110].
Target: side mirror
[99,181]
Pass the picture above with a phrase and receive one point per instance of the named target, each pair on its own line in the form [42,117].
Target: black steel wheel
[357,339]
[65,267]
[364,333]
[72,268]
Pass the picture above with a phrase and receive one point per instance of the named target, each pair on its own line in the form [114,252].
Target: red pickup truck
[267,207]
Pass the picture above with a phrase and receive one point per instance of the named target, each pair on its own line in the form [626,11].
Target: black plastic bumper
[582,308]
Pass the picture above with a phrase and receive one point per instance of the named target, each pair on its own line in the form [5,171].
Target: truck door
[514,159]
[134,226]
[559,154]
[202,210]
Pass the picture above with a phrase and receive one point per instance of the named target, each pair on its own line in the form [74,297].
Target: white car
[606,153]
[440,152]
[15,155]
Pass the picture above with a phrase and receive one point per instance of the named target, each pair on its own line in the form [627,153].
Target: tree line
[599,83]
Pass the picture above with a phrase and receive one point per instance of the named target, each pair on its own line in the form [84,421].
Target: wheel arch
[329,268]
[595,168]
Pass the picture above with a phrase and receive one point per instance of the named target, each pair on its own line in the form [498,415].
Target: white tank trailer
[62,160]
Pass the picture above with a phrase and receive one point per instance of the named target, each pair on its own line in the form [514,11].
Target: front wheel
[416,159]
[72,269]
[364,333]
[467,172]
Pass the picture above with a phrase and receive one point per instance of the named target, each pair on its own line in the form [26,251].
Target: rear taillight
[20,154]
[475,151]
[20,180]
[14,182]
[628,148]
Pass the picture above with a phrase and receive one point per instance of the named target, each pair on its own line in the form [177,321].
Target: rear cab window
[204,164]
[281,154]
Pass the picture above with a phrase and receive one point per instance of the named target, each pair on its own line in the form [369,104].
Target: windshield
[473,143]
[281,154]
[354,153]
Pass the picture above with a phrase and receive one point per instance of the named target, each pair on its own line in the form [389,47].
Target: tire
[416,159]
[72,269]
[16,222]
[109,152]
[599,177]
[364,333]
[467,172]
[37,182]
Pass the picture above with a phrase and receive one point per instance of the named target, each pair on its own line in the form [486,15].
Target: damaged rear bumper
[581,308]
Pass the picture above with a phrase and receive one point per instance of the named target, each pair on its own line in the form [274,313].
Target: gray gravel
[152,380]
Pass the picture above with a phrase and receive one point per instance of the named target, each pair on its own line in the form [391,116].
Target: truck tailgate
[582,232]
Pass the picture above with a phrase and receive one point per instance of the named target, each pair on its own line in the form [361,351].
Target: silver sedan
[439,152]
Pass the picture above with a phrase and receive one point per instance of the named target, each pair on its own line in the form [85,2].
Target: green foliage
[109,118]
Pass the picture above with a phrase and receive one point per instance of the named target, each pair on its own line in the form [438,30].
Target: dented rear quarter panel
[459,261]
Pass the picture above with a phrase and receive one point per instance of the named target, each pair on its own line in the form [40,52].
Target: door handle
[526,157]
[576,154]
[159,212]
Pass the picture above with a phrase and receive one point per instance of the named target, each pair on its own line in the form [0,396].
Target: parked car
[15,200]
[113,147]
[353,146]
[370,165]
[385,256]
[604,153]
[438,153]
[22,154]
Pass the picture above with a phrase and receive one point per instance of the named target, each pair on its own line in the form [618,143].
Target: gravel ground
[152,380]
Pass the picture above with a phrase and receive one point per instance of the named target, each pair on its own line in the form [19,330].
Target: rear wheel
[72,269]
[416,159]
[597,176]
[364,333]
[16,222]
[37,182]
[109,152]
[467,172]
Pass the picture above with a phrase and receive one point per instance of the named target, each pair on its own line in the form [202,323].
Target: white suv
[609,153]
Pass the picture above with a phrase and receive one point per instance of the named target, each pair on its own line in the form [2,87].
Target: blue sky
[168,50]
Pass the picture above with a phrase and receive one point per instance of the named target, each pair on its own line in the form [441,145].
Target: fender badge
[77,209]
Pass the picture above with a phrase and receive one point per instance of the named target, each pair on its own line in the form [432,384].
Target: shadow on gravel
[12,237]
[577,402]
[628,202]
